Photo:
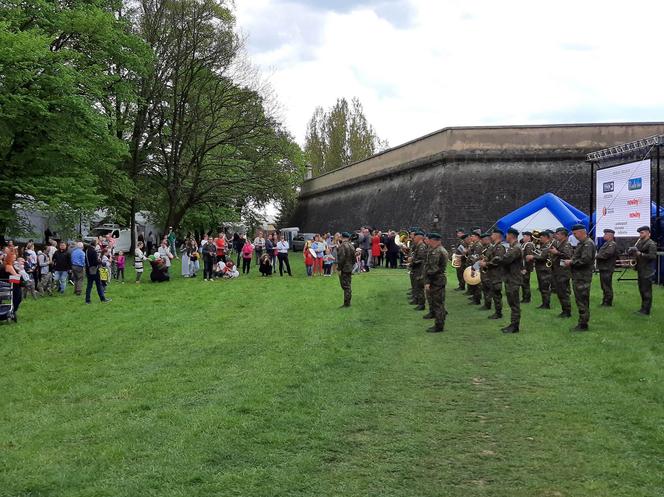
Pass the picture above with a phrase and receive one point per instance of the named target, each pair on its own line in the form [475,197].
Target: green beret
[609,230]
[463,237]
[434,236]
[460,230]
[546,233]
[529,233]
[486,234]
[345,234]
[420,233]
[499,231]
[578,226]
[512,231]
[644,228]
[562,230]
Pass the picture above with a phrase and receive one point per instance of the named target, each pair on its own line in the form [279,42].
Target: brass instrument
[456,260]
[471,276]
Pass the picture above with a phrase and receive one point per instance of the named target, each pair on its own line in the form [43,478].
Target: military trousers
[459,273]
[486,291]
[497,295]
[582,298]
[418,290]
[606,280]
[544,285]
[436,297]
[645,289]
[563,291]
[512,293]
[525,286]
[476,293]
[345,281]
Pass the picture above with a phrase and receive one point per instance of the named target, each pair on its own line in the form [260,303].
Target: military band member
[418,258]
[606,263]
[543,266]
[474,254]
[527,248]
[435,281]
[562,251]
[460,249]
[484,279]
[581,264]
[495,271]
[345,261]
[511,263]
[645,253]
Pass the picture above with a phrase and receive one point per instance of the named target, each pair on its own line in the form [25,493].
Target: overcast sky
[421,65]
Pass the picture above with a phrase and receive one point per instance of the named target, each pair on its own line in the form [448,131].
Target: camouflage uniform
[511,261]
[345,261]
[583,261]
[474,254]
[606,263]
[528,266]
[495,275]
[419,256]
[544,277]
[645,271]
[434,274]
[562,275]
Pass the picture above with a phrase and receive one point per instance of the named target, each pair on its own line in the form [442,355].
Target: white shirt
[259,243]
[282,247]
[166,255]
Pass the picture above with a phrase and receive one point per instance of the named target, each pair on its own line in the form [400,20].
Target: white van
[122,235]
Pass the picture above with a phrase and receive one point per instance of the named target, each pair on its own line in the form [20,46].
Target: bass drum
[471,276]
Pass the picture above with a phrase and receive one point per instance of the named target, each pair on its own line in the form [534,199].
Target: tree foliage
[340,136]
[147,104]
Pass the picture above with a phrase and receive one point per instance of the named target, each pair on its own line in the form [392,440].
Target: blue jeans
[94,280]
[61,278]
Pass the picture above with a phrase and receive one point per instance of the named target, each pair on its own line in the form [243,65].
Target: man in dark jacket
[581,263]
[345,261]
[61,266]
[513,278]
[92,264]
[606,263]
[645,253]
[435,281]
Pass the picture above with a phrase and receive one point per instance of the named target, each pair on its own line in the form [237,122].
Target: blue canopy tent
[545,212]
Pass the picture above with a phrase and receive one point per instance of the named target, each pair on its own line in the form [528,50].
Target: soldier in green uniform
[606,263]
[484,279]
[562,251]
[494,271]
[345,261]
[460,250]
[543,265]
[645,252]
[417,259]
[582,263]
[435,281]
[511,263]
[527,248]
[474,254]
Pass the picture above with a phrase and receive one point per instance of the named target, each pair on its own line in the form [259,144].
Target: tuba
[456,260]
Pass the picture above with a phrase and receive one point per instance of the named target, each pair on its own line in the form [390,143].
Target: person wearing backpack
[247,255]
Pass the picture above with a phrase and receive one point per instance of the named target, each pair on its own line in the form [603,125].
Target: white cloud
[457,62]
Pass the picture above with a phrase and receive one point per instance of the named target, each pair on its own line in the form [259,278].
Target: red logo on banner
[635,215]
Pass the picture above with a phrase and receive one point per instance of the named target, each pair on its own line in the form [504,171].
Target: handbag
[103,274]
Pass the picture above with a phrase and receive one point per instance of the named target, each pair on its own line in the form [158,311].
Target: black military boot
[512,328]
[436,329]
[525,300]
[565,314]
[420,307]
[497,315]
[544,306]
[486,307]
[580,327]
[428,316]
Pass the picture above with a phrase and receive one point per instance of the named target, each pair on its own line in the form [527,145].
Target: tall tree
[55,141]
[340,136]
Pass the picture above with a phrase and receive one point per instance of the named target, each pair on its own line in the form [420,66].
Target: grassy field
[264,387]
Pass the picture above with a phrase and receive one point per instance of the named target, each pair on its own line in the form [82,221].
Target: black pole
[592,202]
[658,232]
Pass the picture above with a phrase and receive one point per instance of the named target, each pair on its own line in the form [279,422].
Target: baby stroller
[7,312]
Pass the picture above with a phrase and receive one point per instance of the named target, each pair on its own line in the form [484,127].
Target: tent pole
[658,234]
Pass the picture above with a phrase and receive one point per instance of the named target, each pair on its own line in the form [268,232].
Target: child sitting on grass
[328,262]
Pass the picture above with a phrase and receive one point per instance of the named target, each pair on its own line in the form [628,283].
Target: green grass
[263,387]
